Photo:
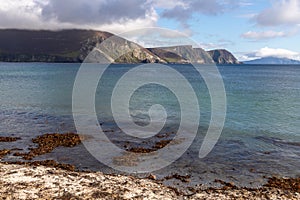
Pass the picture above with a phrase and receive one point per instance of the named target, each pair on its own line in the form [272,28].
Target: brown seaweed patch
[227,186]
[184,179]
[127,160]
[141,150]
[158,145]
[46,163]
[4,152]
[48,142]
[9,139]
[290,184]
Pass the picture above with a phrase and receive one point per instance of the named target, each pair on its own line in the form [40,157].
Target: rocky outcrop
[167,56]
[222,56]
[119,50]
[183,54]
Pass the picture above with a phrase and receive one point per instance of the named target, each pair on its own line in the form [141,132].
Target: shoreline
[48,179]
[23,181]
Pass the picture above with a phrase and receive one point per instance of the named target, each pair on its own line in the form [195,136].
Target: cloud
[115,16]
[150,20]
[96,11]
[282,12]
[253,35]
[270,52]
[185,11]
[175,33]
[109,15]
[19,14]
[220,44]
[166,4]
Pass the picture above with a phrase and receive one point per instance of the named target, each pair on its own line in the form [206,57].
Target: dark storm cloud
[96,11]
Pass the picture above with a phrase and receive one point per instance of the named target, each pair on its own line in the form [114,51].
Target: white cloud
[245,3]
[19,14]
[271,52]
[97,11]
[253,35]
[282,12]
[183,13]
[167,4]
[119,16]
[158,37]
[243,58]
[248,15]
[176,33]
[150,20]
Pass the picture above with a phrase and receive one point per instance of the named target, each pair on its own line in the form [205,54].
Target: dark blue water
[261,136]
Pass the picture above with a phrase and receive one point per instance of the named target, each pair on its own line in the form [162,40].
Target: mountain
[182,54]
[47,46]
[273,61]
[65,46]
[222,56]
[75,45]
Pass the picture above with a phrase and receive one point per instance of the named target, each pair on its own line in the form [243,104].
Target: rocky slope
[183,54]
[119,50]
[222,56]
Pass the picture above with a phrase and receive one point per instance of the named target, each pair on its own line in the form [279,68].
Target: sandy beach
[40,182]
[48,179]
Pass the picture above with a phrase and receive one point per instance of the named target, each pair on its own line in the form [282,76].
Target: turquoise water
[261,136]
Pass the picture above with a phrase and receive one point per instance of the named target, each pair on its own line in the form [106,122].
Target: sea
[260,137]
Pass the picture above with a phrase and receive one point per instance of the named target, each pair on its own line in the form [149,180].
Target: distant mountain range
[273,61]
[75,45]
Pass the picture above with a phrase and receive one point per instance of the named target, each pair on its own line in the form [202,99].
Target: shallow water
[261,135]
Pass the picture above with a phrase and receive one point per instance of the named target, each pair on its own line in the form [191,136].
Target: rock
[152,177]
[222,56]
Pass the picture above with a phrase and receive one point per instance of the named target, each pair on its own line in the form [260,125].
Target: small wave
[277,141]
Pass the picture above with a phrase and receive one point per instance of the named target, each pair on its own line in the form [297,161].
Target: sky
[250,29]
